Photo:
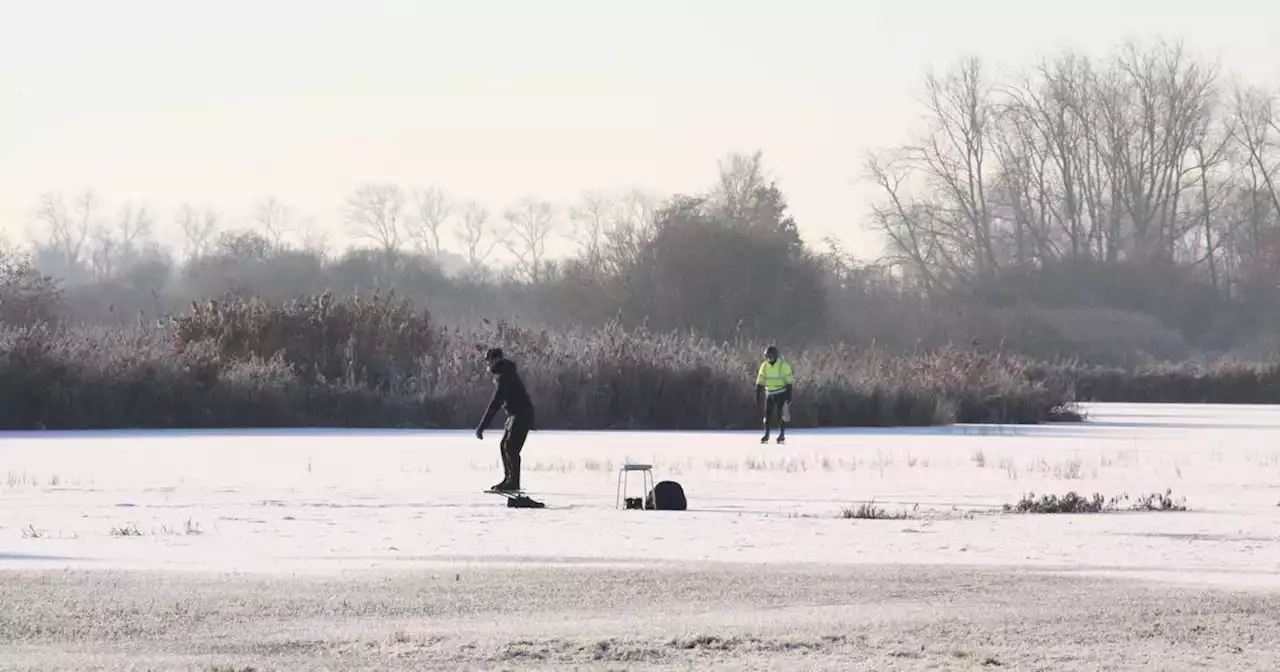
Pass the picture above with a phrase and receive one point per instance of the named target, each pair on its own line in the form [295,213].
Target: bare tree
[1256,204]
[532,223]
[374,211]
[198,230]
[1256,131]
[590,222]
[115,247]
[135,225]
[635,223]
[1042,148]
[740,176]
[475,234]
[314,239]
[1123,160]
[68,229]
[273,219]
[102,252]
[947,232]
[954,158]
[1097,161]
[1172,95]
[1019,191]
[1204,232]
[432,210]
[913,238]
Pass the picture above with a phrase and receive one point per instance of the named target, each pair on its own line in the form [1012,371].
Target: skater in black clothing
[509,393]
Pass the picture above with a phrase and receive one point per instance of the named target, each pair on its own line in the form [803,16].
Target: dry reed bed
[379,361]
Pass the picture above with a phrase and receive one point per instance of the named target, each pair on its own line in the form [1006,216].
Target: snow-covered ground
[325,501]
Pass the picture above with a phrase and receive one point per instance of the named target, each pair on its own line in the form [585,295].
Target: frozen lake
[324,501]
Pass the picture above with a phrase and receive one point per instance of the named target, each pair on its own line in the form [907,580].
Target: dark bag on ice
[666,496]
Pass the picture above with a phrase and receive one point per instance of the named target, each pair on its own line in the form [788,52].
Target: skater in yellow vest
[774,382]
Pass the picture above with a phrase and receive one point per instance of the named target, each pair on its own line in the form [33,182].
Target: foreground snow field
[330,500]
[676,616]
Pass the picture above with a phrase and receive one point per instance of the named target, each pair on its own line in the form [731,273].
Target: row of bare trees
[600,225]
[726,261]
[79,240]
[1148,155]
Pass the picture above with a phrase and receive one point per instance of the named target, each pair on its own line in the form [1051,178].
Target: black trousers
[514,432]
[773,408]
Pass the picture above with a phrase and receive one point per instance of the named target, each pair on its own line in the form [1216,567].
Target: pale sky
[219,103]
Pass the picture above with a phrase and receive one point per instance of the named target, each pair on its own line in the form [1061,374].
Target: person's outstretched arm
[499,394]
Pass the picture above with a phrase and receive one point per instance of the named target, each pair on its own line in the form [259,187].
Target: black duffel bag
[666,496]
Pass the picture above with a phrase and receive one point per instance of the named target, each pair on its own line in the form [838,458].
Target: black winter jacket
[508,393]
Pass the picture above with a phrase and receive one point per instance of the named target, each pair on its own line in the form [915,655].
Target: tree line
[1118,210]
[1144,180]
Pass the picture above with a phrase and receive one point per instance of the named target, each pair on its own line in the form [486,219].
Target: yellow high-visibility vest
[774,377]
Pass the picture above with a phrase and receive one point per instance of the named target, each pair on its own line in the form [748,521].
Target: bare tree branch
[273,219]
[740,176]
[634,224]
[475,234]
[531,224]
[374,212]
[198,230]
[591,221]
[432,210]
[68,229]
[314,239]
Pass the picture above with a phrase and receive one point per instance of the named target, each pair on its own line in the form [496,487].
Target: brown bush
[357,340]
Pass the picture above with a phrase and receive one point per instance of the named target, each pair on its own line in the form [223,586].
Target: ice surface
[328,501]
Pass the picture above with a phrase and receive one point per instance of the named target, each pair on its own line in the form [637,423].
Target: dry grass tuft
[130,530]
[869,511]
[189,528]
[1075,503]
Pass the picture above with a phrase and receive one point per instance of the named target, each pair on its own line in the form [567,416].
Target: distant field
[377,550]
